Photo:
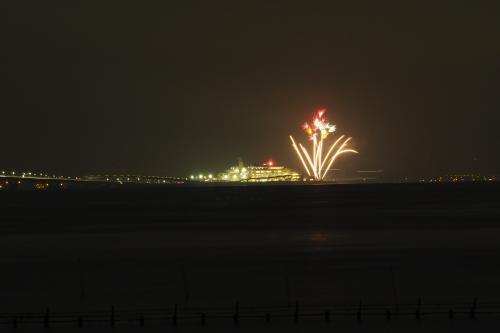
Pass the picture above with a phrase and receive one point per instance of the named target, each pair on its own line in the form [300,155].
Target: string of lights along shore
[317,164]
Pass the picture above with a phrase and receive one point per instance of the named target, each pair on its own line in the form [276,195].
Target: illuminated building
[268,172]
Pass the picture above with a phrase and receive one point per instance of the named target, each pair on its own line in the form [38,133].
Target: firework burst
[318,164]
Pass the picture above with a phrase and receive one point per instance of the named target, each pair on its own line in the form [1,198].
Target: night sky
[173,88]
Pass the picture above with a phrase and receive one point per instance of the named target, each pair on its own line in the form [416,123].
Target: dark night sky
[172,88]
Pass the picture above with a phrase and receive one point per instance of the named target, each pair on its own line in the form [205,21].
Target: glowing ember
[318,131]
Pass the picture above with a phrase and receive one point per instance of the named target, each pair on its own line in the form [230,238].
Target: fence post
[236,312]
[46,318]
[141,320]
[360,306]
[112,318]
[451,314]
[296,314]
[327,315]
[388,314]
[80,321]
[203,318]
[473,309]
[174,317]
[268,317]
[417,312]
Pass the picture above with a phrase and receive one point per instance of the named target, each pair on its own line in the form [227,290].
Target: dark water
[262,246]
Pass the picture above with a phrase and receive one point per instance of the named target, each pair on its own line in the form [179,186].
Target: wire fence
[177,314]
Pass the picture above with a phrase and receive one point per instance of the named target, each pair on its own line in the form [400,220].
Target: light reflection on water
[320,240]
[319,237]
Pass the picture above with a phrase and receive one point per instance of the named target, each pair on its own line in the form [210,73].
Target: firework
[316,164]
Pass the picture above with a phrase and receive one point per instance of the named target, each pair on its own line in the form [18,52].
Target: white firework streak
[300,156]
[311,164]
[317,162]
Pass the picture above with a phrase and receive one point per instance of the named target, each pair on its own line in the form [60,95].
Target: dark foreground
[206,248]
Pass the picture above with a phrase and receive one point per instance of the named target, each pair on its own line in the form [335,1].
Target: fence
[177,314]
